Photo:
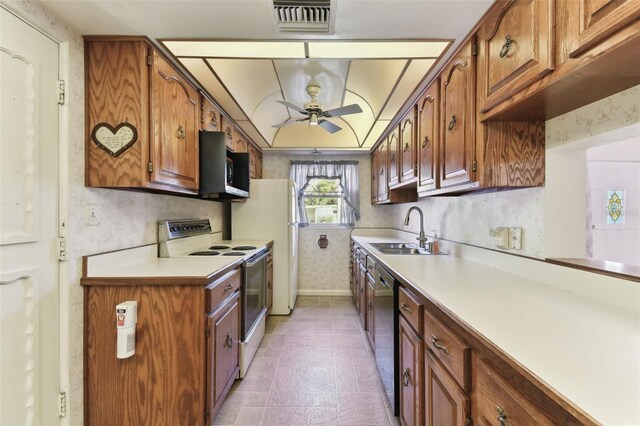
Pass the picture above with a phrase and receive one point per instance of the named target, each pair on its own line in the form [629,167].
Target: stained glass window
[615,207]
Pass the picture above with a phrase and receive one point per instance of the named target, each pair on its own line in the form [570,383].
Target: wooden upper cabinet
[428,138]
[259,165]
[252,160]
[374,176]
[407,147]
[458,119]
[209,115]
[515,48]
[383,183]
[130,85]
[393,162]
[229,133]
[175,112]
[593,21]
[241,144]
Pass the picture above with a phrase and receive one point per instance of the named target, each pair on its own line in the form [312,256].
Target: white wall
[128,218]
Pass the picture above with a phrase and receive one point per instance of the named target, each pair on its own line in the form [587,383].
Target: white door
[29,348]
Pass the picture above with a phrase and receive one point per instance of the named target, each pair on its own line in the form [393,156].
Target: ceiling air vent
[306,16]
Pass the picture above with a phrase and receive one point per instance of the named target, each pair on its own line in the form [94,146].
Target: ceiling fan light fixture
[313,119]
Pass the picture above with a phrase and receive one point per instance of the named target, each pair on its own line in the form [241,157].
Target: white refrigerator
[271,213]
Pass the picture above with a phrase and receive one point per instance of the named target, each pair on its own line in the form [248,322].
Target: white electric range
[194,237]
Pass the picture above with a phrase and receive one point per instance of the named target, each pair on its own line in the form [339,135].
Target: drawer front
[410,308]
[371,266]
[453,352]
[222,288]
[499,403]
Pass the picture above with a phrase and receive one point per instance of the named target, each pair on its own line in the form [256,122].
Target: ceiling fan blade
[284,123]
[293,106]
[329,126]
[345,110]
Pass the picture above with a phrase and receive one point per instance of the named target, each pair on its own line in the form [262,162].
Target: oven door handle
[255,259]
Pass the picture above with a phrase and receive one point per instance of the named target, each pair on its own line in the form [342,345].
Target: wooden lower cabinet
[446,404]
[269,283]
[411,380]
[371,285]
[362,295]
[223,332]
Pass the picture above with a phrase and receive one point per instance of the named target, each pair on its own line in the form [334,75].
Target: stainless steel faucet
[421,238]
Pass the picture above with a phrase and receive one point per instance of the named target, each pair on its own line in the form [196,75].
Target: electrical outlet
[515,236]
[92,216]
[500,237]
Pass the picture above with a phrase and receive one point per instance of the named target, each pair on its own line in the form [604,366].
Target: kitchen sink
[404,250]
[393,245]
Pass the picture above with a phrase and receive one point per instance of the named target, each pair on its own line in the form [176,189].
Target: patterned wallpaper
[127,218]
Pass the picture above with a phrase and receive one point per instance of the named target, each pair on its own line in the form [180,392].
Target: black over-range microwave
[223,174]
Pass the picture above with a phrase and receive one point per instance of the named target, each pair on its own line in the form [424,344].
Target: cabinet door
[356,279]
[258,164]
[370,309]
[229,133]
[457,141]
[362,295]
[252,161]
[393,161]
[240,142]
[174,113]
[269,286]
[515,49]
[383,183]
[224,334]
[374,177]
[407,147]
[428,137]
[598,20]
[445,403]
[209,116]
[411,383]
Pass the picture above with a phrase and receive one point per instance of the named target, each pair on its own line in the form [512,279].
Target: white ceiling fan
[315,112]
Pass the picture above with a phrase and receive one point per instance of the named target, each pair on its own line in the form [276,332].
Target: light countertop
[587,350]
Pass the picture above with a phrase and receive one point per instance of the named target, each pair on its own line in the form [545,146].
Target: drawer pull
[228,287]
[502,416]
[438,345]
[181,132]
[404,307]
[229,341]
[506,47]
[406,377]
[452,122]
[369,306]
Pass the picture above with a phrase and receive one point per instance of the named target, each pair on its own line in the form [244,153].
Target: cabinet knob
[229,341]
[502,416]
[438,345]
[452,122]
[406,377]
[393,156]
[406,147]
[181,132]
[425,142]
[506,47]
[405,307]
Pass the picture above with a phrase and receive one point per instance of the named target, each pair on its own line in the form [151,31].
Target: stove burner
[204,253]
[244,248]
[233,253]
[218,247]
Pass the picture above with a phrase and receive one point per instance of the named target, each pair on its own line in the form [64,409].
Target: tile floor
[313,367]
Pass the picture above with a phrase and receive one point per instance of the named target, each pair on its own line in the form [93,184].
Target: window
[328,192]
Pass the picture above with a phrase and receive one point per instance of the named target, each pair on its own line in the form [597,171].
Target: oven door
[254,291]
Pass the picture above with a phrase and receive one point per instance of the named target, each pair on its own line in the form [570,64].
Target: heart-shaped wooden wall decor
[114,140]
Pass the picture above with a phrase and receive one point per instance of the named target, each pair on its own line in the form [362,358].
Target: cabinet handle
[381,172]
[181,132]
[506,47]
[452,122]
[405,307]
[393,157]
[361,290]
[406,147]
[228,287]
[229,342]
[269,284]
[406,377]
[425,142]
[438,345]
[369,306]
[502,416]
[213,121]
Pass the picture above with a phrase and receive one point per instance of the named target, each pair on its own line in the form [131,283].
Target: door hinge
[474,49]
[150,167]
[149,60]
[61,92]
[207,332]
[62,249]
[474,166]
[468,422]
[62,404]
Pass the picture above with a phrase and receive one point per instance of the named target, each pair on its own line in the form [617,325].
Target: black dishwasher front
[386,334]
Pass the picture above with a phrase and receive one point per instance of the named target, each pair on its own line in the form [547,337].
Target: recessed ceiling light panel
[376,49]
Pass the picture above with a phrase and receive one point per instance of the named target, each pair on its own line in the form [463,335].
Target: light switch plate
[92,216]
[500,237]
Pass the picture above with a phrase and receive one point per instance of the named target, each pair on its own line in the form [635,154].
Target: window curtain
[347,171]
